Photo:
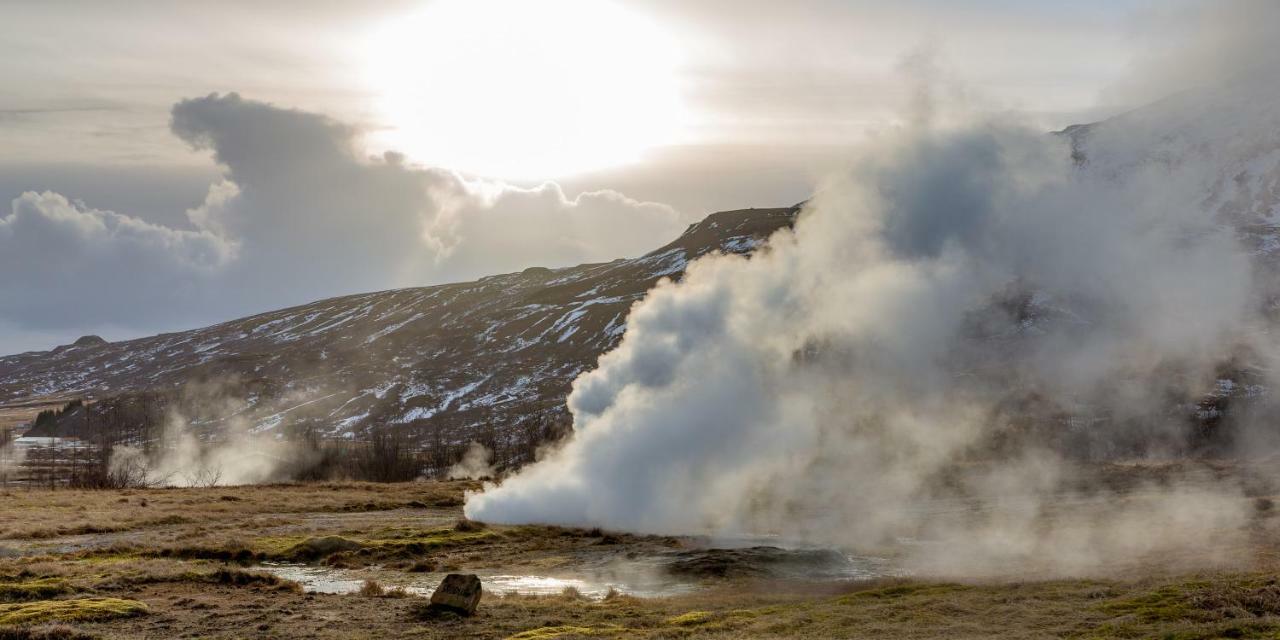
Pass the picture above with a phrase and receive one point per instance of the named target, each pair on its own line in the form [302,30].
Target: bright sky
[101,76]
[692,106]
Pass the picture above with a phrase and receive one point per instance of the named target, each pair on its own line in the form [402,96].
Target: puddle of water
[343,581]
[315,579]
[591,588]
[656,575]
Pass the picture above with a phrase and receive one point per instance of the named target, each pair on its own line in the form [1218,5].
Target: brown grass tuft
[372,589]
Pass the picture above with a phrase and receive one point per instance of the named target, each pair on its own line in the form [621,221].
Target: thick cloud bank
[959,318]
[300,215]
[64,260]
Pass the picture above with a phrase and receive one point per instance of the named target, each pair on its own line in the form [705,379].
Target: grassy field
[188,563]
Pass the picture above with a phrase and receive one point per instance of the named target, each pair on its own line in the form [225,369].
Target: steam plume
[958,318]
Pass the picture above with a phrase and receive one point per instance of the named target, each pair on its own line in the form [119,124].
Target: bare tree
[387,457]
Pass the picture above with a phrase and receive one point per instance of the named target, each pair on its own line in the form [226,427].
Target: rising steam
[181,459]
[11,456]
[205,439]
[956,321]
[476,463]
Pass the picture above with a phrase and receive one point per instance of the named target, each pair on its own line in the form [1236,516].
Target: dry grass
[45,632]
[38,514]
[179,560]
[372,589]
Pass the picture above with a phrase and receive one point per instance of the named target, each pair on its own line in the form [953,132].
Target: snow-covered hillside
[499,351]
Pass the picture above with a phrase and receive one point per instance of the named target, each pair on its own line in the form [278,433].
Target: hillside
[451,358]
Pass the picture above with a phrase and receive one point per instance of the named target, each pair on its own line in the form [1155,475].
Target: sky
[170,165]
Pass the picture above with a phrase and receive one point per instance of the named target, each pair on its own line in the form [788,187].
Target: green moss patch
[383,543]
[1246,607]
[899,591]
[547,633]
[75,610]
[314,548]
[416,541]
[691,618]
[41,589]
[1162,605]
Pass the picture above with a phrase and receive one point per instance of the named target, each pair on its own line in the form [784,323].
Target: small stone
[459,593]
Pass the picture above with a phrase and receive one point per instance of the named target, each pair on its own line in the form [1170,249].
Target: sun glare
[525,90]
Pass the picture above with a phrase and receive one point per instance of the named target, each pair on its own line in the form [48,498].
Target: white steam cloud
[476,463]
[958,318]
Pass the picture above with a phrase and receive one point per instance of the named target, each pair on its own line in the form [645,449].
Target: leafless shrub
[372,589]
[387,457]
[204,477]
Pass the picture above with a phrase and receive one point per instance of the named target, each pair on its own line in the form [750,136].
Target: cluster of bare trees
[107,445]
[135,420]
[399,453]
[388,455]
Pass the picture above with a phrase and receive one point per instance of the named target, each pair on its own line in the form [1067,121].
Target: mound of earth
[756,562]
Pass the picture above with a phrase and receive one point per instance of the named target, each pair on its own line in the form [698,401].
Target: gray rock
[459,593]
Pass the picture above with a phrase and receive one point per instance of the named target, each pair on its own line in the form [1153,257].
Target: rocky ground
[217,563]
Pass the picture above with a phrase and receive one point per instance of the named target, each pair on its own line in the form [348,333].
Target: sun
[525,90]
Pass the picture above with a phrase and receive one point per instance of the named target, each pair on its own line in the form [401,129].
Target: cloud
[1200,45]
[298,214]
[65,262]
[482,224]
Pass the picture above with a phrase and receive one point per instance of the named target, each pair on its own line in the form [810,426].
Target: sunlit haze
[517,89]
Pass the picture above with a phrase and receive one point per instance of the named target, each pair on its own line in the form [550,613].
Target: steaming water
[344,581]
[793,559]
[318,579]
[644,577]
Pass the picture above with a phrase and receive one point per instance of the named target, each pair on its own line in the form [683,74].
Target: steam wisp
[476,463]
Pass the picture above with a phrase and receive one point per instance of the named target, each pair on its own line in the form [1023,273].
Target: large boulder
[458,593]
